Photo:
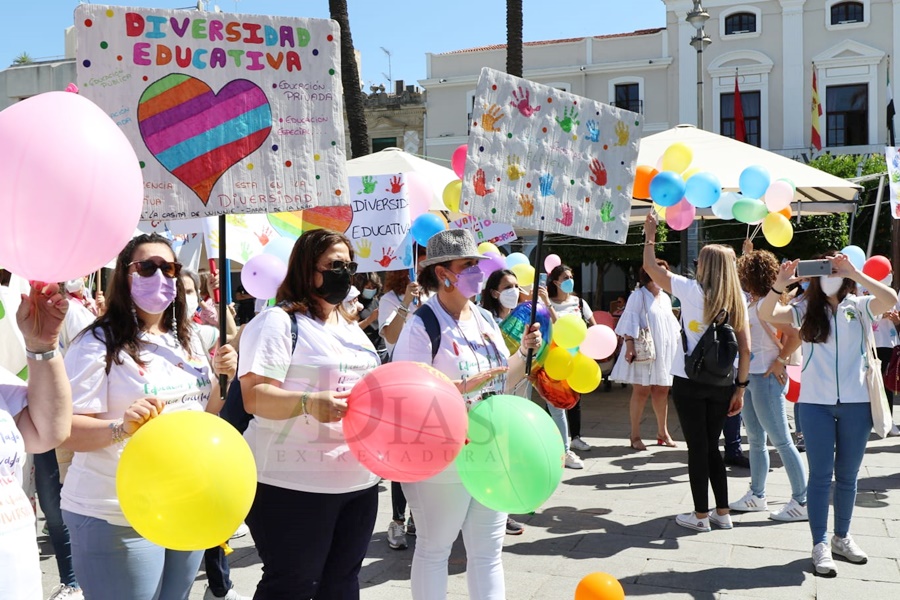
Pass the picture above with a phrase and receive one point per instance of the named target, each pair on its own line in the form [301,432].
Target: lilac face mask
[470,281]
[153,294]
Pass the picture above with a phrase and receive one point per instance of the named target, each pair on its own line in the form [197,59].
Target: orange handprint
[264,236]
[526,204]
[481,187]
[492,114]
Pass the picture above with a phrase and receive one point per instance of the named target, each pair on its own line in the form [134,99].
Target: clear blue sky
[404,27]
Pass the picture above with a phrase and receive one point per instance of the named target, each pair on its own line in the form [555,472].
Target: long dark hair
[816,326]
[552,288]
[120,325]
[297,292]
[493,282]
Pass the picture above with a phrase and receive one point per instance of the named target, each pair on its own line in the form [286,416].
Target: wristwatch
[42,355]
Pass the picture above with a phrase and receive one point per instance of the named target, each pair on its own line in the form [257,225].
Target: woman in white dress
[647,307]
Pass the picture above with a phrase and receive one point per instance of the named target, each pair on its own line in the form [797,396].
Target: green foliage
[23,59]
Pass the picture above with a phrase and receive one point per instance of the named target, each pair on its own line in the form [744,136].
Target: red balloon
[877,267]
[458,161]
[793,391]
[405,421]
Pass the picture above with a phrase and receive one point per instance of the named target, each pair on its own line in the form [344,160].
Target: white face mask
[191,303]
[831,285]
[509,298]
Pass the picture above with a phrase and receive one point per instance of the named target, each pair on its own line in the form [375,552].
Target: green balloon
[513,460]
[749,210]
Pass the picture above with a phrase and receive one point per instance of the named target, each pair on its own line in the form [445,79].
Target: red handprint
[520,102]
[598,172]
[481,187]
[568,215]
[264,236]
[396,185]
[388,257]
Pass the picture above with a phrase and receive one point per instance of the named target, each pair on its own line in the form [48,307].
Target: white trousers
[441,511]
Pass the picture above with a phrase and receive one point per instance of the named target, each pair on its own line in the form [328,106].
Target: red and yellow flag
[815,138]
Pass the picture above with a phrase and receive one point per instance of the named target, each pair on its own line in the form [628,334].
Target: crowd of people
[100,368]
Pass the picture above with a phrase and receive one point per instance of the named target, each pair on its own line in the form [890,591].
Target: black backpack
[712,361]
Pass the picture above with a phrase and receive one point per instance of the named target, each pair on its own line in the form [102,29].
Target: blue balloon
[280,247]
[754,182]
[425,226]
[856,255]
[516,258]
[703,190]
[667,188]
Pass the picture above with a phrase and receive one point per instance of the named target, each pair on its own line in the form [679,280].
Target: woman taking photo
[142,357]
[500,294]
[647,308]
[472,353]
[315,504]
[764,402]
[702,408]
[834,405]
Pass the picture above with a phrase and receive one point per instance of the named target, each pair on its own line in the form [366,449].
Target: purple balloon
[262,275]
[493,262]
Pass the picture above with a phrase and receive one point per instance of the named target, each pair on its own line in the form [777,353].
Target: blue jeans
[764,414]
[559,417]
[732,433]
[836,439]
[114,562]
[46,482]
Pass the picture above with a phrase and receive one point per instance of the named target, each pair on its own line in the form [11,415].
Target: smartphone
[542,280]
[814,268]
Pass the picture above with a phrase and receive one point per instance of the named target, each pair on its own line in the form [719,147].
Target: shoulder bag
[882,421]
[644,348]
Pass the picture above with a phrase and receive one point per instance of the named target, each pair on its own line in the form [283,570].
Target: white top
[763,350]
[690,294]
[467,348]
[387,310]
[643,310]
[77,318]
[300,454]
[834,371]
[885,332]
[21,578]
[12,346]
[169,374]
[573,305]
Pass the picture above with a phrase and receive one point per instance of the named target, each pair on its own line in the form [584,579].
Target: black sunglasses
[339,265]
[146,268]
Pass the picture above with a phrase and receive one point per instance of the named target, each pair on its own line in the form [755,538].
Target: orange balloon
[786,211]
[599,586]
[642,178]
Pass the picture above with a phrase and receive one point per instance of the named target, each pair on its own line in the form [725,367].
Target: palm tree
[23,59]
[514,58]
[353,95]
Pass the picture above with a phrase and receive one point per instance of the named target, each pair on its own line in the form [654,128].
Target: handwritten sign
[381,222]
[892,158]
[545,159]
[227,113]
[485,230]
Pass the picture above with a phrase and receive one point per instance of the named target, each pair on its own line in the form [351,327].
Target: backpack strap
[294,328]
[433,327]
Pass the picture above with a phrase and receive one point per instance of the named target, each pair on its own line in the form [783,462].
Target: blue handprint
[593,130]
[546,188]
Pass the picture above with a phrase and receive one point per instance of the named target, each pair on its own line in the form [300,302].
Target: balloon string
[755,231]
[224,546]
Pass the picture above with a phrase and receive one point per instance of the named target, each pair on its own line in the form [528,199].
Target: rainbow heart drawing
[197,135]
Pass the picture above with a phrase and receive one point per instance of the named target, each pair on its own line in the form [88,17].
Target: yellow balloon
[689,173]
[186,480]
[485,247]
[569,331]
[524,273]
[585,375]
[452,193]
[677,158]
[558,364]
[660,210]
[777,230]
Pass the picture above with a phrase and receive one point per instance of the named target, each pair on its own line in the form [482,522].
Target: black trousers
[398,501]
[884,355]
[702,410]
[574,418]
[311,545]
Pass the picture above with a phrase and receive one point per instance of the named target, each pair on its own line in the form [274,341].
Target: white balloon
[723,207]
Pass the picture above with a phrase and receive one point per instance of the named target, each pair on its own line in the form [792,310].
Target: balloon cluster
[877,267]
[575,349]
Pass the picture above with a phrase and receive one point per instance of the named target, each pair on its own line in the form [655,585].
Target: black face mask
[335,286]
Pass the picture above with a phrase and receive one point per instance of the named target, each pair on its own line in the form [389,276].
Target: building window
[847,12]
[628,97]
[751,105]
[847,112]
[379,144]
[740,23]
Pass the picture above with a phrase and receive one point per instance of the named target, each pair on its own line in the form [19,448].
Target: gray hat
[451,244]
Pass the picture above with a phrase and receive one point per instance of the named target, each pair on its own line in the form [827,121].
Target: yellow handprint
[492,114]
[622,133]
[513,170]
[236,220]
[526,202]
[364,248]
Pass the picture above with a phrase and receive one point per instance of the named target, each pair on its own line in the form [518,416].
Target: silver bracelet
[41,355]
[117,428]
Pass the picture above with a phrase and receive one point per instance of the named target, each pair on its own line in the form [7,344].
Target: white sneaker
[231,595]
[894,432]
[792,511]
[242,530]
[579,444]
[396,536]
[691,521]
[573,461]
[846,547]
[823,564]
[66,592]
[749,503]
[720,521]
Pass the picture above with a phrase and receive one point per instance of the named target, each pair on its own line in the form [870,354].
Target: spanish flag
[815,138]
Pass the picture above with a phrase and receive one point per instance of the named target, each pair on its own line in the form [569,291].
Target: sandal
[668,441]
[637,444]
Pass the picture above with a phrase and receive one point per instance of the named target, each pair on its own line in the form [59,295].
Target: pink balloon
[779,195]
[494,262]
[793,372]
[262,275]
[72,187]
[458,162]
[418,193]
[551,262]
[681,215]
[600,342]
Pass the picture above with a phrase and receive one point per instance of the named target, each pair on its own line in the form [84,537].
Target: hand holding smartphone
[814,268]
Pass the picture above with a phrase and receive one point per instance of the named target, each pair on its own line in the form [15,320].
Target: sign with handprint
[379,231]
[541,158]
[892,158]
[227,113]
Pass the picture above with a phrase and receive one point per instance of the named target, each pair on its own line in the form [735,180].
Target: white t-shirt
[183,383]
[573,305]
[387,310]
[690,294]
[885,332]
[12,346]
[21,577]
[77,318]
[303,454]
[834,370]
[763,349]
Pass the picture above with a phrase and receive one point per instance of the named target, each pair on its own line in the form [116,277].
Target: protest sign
[485,230]
[381,222]
[892,158]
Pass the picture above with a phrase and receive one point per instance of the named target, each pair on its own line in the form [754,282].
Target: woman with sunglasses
[139,359]
[471,352]
[315,504]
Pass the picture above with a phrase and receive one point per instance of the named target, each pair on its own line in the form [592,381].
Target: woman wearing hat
[473,354]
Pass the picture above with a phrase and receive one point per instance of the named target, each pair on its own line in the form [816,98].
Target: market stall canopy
[395,160]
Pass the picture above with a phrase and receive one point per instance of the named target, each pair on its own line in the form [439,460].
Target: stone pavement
[616,516]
